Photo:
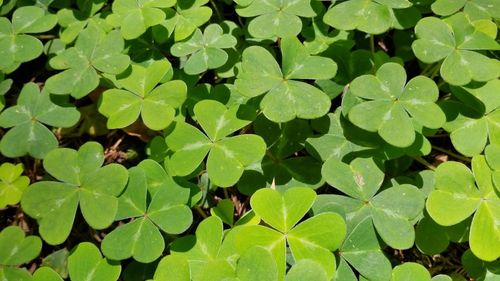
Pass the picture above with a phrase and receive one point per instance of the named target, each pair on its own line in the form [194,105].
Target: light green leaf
[360,179]
[306,270]
[204,50]
[228,158]
[282,211]
[140,239]
[190,146]
[224,210]
[94,188]
[94,51]
[15,248]
[46,274]
[485,232]
[392,218]
[29,135]
[257,264]
[276,18]
[86,263]
[136,17]
[167,211]
[364,15]
[454,185]
[362,251]
[388,106]
[173,268]
[156,105]
[186,18]
[12,184]
[285,99]
[455,40]
[410,271]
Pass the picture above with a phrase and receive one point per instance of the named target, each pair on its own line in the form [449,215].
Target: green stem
[372,45]
[200,211]
[436,71]
[425,163]
[226,195]
[452,154]
[426,69]
[217,12]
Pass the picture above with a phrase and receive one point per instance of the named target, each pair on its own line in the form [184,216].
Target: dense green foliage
[251,140]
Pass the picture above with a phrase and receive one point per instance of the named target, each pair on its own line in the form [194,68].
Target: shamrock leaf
[475,9]
[204,50]
[387,104]
[82,181]
[93,51]
[186,18]
[455,41]
[286,98]
[167,210]
[202,250]
[474,120]
[460,193]
[16,249]
[86,263]
[135,17]
[140,95]
[372,16]
[276,18]
[306,270]
[410,271]
[12,184]
[492,154]
[227,156]
[432,238]
[16,46]
[313,238]
[29,134]
[45,273]
[362,251]
[5,85]
[172,268]
[73,21]
[361,180]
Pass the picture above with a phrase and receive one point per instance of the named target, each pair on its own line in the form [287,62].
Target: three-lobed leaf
[81,181]
[285,97]
[28,134]
[389,104]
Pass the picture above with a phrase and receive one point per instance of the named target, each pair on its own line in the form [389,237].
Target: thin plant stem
[372,44]
[425,163]
[452,154]
[200,211]
[217,12]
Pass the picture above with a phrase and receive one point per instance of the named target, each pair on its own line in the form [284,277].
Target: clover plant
[204,49]
[455,40]
[227,156]
[93,51]
[275,18]
[388,102]
[167,211]
[16,249]
[285,97]
[141,96]
[12,184]
[28,134]
[81,181]
[250,140]
[16,45]
[468,193]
